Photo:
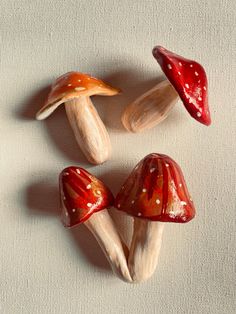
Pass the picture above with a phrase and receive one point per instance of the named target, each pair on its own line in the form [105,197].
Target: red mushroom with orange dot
[154,193]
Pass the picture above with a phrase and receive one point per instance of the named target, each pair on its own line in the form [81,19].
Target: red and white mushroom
[186,79]
[74,89]
[154,193]
[85,199]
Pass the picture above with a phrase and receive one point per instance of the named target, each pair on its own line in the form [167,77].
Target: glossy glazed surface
[190,81]
[81,195]
[72,85]
[156,190]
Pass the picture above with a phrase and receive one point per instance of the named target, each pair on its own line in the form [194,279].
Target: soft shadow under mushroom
[42,198]
[57,126]
[131,82]
[33,103]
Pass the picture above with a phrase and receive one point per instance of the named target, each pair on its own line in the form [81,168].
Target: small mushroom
[85,199]
[154,193]
[74,89]
[186,79]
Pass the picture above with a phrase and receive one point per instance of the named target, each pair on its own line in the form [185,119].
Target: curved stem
[145,248]
[151,108]
[89,130]
[104,230]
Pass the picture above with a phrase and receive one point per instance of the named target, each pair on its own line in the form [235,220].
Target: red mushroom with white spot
[186,80]
[154,193]
[85,199]
[74,89]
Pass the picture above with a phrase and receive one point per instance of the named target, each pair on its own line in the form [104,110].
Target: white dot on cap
[77,89]
[88,186]
[158,201]
[152,170]
[89,204]
[167,165]
[64,198]
[65,173]
[66,214]
[204,87]
[180,64]
[99,192]
[169,66]
[144,190]
[69,84]
[180,184]
[132,202]
[139,214]
[78,171]
[186,85]
[179,73]
[191,65]
[183,203]
[196,73]
[199,114]
[118,205]
[199,98]
[73,210]
[79,80]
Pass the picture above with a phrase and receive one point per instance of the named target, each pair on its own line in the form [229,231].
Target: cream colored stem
[89,129]
[151,108]
[145,248]
[104,230]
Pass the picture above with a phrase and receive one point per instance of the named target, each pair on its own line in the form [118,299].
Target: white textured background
[47,269]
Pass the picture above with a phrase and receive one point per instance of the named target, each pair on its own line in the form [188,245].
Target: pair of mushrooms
[186,79]
[154,193]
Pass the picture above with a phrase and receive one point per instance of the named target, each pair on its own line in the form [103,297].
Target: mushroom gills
[151,108]
[145,248]
[89,130]
[102,227]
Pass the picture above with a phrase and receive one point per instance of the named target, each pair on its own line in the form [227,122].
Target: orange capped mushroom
[74,90]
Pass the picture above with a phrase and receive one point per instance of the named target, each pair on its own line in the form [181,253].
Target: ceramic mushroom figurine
[74,89]
[154,193]
[186,80]
[85,199]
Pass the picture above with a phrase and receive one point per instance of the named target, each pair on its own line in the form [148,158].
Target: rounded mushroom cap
[156,190]
[190,81]
[81,195]
[72,85]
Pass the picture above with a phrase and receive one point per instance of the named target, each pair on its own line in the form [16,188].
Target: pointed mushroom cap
[72,85]
[156,190]
[190,81]
[81,195]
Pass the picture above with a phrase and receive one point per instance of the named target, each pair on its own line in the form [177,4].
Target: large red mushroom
[74,90]
[85,199]
[154,193]
[186,80]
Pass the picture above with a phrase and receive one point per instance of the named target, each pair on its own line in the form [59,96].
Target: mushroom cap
[72,85]
[156,190]
[81,195]
[190,81]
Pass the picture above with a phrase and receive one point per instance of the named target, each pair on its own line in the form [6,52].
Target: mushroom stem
[145,248]
[104,230]
[150,108]
[89,130]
